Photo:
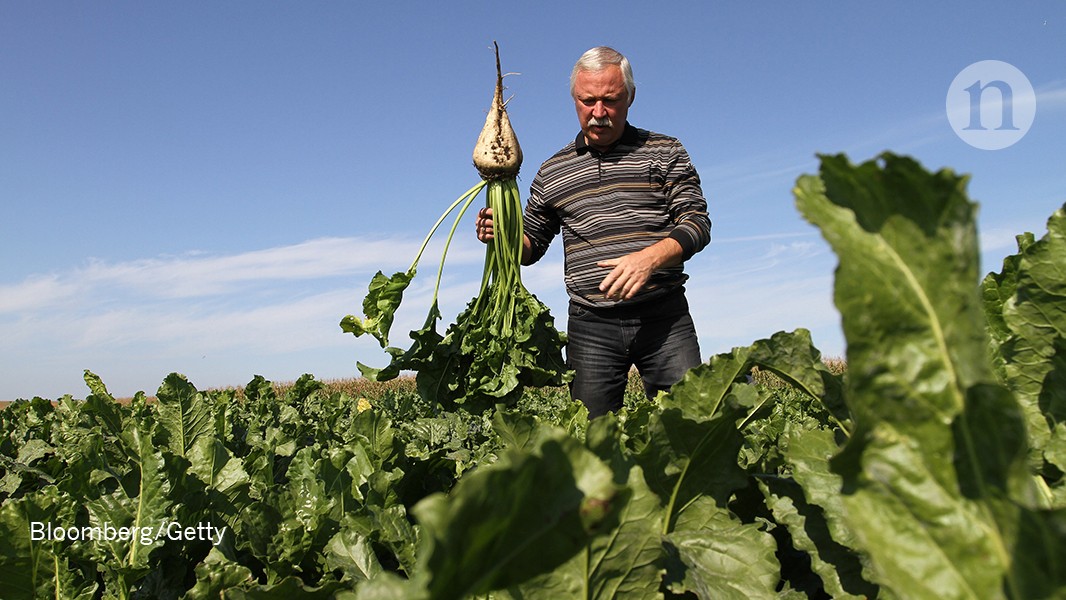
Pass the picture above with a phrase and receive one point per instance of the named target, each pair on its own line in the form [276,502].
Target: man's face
[602,105]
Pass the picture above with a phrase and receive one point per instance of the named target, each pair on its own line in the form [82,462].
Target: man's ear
[633,96]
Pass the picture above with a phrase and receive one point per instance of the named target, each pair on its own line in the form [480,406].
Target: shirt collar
[629,138]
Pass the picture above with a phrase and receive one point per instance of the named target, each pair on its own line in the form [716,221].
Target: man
[630,207]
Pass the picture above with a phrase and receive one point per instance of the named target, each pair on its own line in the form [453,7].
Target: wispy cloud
[1052,95]
[274,301]
[220,319]
[38,292]
[197,275]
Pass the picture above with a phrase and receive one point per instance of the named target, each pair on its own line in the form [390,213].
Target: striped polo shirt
[609,204]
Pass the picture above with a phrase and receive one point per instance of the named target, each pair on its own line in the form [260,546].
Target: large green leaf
[692,465]
[997,290]
[32,564]
[624,562]
[1026,309]
[525,515]
[940,446]
[141,503]
[703,391]
[417,357]
[184,413]
[101,406]
[1055,453]
[387,522]
[690,447]
[224,489]
[905,287]
[713,569]
[720,557]
[215,574]
[379,306]
[809,504]
[352,554]
[686,459]
[375,432]
[289,528]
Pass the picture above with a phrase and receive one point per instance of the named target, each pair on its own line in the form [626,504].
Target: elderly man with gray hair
[631,210]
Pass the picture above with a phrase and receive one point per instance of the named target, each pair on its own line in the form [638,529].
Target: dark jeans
[603,344]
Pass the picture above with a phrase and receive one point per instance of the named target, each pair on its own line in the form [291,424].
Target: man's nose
[599,110]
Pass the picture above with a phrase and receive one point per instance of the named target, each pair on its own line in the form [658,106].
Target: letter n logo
[991,105]
[1006,105]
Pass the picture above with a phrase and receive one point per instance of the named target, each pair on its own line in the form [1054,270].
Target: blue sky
[207,188]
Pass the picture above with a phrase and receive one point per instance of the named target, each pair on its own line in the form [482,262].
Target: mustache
[604,122]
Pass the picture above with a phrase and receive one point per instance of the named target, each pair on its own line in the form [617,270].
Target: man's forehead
[608,80]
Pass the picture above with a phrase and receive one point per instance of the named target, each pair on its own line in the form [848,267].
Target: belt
[670,303]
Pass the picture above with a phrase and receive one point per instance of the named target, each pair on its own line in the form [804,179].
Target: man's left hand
[631,272]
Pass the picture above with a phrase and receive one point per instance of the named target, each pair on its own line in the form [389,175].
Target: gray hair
[599,58]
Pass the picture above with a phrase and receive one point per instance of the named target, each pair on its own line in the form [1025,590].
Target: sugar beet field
[927,463]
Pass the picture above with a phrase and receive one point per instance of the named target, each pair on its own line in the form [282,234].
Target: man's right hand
[484,225]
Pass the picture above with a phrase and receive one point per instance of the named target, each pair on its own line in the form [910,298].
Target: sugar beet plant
[506,338]
[933,468]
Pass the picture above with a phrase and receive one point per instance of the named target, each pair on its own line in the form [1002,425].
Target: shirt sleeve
[540,222]
[687,206]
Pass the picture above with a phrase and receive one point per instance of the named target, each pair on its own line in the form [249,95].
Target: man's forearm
[665,253]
